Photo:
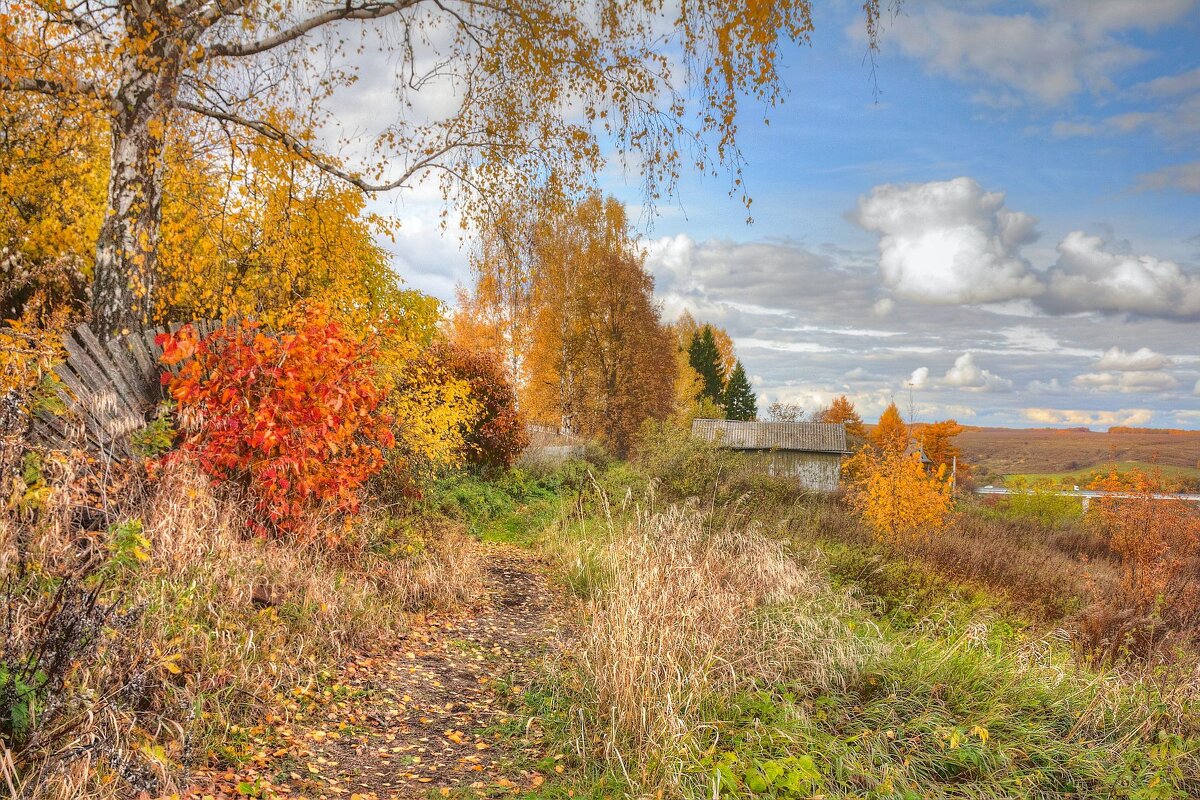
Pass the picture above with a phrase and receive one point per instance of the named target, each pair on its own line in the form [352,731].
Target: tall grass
[211,628]
[718,660]
[686,614]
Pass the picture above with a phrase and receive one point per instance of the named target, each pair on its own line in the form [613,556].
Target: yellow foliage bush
[897,497]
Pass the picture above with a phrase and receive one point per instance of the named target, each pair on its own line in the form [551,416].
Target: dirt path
[428,718]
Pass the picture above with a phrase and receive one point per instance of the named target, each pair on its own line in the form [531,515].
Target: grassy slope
[959,698]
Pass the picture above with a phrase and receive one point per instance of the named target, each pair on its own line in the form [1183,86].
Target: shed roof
[811,437]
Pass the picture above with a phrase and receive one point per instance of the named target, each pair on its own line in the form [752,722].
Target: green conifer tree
[740,402]
[705,358]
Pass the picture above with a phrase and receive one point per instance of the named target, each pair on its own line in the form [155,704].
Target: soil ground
[429,716]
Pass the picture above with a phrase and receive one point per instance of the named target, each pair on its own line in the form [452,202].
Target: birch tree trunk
[126,252]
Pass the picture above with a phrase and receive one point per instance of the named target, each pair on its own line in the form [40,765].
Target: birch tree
[536,88]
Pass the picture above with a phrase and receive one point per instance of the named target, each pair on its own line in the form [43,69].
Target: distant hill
[1007,451]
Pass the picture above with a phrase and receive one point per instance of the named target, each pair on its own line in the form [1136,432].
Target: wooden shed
[810,452]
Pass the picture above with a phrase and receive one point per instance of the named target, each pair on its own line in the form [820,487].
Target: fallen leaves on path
[419,717]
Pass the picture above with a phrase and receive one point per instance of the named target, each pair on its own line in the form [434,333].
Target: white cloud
[1172,119]
[1170,85]
[1153,381]
[1091,276]
[1196,389]
[1100,16]
[1051,386]
[883,306]
[950,242]
[966,374]
[1057,416]
[919,377]
[1067,48]
[1184,177]
[1141,359]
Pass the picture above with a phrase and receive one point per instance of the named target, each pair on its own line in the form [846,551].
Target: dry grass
[221,627]
[686,616]
[1002,451]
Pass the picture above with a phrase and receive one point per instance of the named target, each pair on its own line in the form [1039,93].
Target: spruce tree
[705,358]
[740,402]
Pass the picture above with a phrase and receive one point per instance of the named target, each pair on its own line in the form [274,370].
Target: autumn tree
[937,442]
[1157,540]
[890,434]
[261,244]
[494,435]
[842,412]
[52,176]
[601,362]
[896,496]
[496,314]
[535,87]
[705,359]
[739,400]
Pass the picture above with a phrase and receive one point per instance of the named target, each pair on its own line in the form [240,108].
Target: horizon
[1012,225]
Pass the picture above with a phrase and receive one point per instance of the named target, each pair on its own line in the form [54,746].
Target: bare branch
[364,12]
[318,160]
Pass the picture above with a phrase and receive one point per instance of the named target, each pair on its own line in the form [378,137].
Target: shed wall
[819,471]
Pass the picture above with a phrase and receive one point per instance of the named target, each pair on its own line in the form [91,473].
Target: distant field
[1084,475]
[1044,452]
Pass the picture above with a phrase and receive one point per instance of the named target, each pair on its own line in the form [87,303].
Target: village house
[809,452]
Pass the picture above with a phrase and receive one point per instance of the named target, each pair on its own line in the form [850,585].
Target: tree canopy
[537,91]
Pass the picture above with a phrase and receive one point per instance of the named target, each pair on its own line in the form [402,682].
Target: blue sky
[1012,227]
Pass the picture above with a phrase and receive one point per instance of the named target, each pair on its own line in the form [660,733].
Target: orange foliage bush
[1157,540]
[293,417]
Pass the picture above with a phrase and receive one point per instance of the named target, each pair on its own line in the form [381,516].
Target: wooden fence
[110,388]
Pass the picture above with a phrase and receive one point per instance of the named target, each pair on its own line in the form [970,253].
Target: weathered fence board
[111,388]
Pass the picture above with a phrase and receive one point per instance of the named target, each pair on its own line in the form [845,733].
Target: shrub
[680,464]
[1157,540]
[291,417]
[894,494]
[1042,504]
[496,434]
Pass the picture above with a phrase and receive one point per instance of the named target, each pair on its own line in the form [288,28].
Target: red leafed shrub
[497,435]
[1157,538]
[293,417]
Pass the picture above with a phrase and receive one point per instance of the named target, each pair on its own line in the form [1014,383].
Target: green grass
[949,717]
[963,699]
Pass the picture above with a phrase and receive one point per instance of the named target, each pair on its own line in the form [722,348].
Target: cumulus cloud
[1125,381]
[1141,359]
[966,374]
[1090,275]
[950,242]
[883,306]
[919,377]
[1196,389]
[1047,56]
[1059,416]
[953,243]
